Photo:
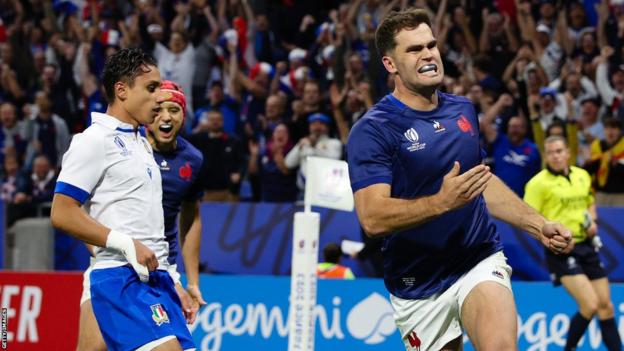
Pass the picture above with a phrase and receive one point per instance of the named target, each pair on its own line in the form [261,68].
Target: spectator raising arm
[602,9]
[509,33]
[561,34]
[603,84]
[214,25]
[486,124]
[182,12]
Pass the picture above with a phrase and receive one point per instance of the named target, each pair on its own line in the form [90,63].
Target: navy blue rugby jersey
[181,181]
[412,151]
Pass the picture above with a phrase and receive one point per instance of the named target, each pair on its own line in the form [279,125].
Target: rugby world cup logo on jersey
[120,144]
[412,136]
[159,315]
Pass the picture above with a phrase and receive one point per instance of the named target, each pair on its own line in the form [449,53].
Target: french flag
[110,37]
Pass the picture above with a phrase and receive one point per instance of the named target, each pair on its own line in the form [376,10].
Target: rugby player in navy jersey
[419,182]
[180,165]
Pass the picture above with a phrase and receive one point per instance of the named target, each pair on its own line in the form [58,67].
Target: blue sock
[610,335]
[578,325]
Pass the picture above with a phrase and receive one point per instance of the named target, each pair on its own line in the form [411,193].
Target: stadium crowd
[271,82]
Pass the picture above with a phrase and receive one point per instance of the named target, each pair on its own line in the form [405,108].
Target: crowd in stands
[271,82]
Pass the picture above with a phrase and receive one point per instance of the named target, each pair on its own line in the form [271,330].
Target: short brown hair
[554,138]
[612,122]
[394,23]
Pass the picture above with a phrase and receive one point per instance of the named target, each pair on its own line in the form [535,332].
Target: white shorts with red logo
[431,323]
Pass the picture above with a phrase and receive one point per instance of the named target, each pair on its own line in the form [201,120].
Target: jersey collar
[180,146]
[406,110]
[111,122]
[555,173]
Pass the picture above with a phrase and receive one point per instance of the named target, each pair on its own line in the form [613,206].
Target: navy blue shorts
[583,259]
[131,313]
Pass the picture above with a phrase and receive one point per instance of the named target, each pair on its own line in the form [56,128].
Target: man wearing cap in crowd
[551,107]
[292,82]
[297,57]
[316,143]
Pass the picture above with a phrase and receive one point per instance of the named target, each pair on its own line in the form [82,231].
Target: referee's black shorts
[583,259]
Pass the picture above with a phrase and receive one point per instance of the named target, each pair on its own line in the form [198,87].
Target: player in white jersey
[181,194]
[109,195]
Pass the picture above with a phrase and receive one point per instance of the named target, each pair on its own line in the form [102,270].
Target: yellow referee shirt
[563,199]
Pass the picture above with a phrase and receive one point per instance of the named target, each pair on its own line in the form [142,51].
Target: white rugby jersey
[110,169]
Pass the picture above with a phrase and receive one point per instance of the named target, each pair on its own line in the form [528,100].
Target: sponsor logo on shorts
[498,274]
[414,341]
[159,315]
[571,262]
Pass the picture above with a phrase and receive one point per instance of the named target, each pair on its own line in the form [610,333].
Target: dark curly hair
[124,66]
[394,23]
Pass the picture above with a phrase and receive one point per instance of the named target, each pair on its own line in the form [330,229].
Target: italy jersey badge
[159,315]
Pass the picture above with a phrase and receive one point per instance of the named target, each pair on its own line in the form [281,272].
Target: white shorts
[86,282]
[431,323]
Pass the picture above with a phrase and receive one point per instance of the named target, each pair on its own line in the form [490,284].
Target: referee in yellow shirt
[563,193]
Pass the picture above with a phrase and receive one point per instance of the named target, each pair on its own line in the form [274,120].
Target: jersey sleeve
[82,167]
[369,155]
[196,190]
[472,112]
[534,194]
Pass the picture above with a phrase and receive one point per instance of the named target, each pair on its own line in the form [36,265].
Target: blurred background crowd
[270,82]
